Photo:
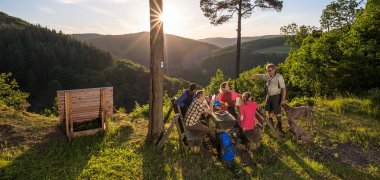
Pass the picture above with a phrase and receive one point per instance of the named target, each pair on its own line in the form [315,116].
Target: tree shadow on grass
[334,165]
[301,162]
[54,158]
[267,165]
[153,163]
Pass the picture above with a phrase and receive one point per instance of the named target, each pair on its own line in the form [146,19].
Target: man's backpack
[225,148]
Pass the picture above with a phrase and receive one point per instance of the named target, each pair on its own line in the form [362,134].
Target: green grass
[42,152]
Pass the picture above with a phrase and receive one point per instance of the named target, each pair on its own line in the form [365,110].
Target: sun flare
[171,20]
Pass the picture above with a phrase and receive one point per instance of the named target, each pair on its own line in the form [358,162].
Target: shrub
[140,110]
[121,110]
[10,95]
[303,101]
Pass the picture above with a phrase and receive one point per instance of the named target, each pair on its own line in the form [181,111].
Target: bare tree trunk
[156,71]
[237,65]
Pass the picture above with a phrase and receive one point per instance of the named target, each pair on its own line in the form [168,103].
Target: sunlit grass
[122,153]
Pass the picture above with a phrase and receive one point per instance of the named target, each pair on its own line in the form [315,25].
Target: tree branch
[250,9]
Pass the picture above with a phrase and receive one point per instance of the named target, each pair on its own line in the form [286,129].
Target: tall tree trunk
[237,65]
[156,71]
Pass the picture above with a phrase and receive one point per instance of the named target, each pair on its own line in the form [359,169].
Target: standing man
[185,100]
[276,93]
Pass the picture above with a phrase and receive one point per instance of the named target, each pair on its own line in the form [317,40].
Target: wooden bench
[83,105]
[186,137]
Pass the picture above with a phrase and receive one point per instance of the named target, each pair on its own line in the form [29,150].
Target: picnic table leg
[67,117]
[167,133]
[102,107]
[261,114]
[70,118]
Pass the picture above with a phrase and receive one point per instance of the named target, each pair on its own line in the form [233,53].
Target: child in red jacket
[247,111]
[251,134]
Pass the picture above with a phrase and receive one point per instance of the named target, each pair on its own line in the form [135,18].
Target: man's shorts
[273,104]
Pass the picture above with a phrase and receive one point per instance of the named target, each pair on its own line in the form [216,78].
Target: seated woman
[187,97]
[247,110]
[228,97]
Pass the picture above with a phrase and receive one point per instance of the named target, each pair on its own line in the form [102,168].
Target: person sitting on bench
[187,97]
[195,111]
[228,97]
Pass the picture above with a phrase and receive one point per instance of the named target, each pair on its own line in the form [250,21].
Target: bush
[140,110]
[121,110]
[374,96]
[303,101]
[10,95]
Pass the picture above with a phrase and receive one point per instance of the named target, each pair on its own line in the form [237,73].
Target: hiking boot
[271,121]
[279,126]
[280,131]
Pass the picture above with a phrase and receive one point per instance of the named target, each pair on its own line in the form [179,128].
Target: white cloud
[120,1]
[71,1]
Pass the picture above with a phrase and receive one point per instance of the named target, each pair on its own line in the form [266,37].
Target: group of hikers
[194,105]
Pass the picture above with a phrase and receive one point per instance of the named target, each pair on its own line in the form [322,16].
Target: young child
[251,135]
[247,111]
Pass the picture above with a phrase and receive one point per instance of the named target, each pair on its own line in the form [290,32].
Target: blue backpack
[226,151]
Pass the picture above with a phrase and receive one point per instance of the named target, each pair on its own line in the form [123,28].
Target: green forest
[44,61]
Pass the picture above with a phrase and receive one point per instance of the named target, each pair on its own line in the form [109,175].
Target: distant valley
[181,53]
[190,59]
[225,42]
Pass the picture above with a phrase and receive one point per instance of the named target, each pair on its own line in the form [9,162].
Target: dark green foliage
[339,14]
[215,82]
[253,85]
[341,61]
[220,11]
[44,61]
[295,34]
[10,95]
[6,20]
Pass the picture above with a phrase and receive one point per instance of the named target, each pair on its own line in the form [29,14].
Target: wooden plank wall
[85,103]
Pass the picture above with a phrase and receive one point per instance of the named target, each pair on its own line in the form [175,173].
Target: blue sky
[129,16]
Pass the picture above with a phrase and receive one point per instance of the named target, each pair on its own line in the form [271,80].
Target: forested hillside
[181,53]
[44,61]
[225,42]
[253,53]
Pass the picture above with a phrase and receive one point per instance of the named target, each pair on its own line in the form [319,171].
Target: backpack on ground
[225,147]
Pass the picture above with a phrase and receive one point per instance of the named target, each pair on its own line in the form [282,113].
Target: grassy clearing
[346,145]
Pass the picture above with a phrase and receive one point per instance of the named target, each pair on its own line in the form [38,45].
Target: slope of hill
[44,61]
[180,52]
[225,42]
[253,53]
[345,146]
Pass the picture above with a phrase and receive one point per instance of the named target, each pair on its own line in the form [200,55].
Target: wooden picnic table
[223,122]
